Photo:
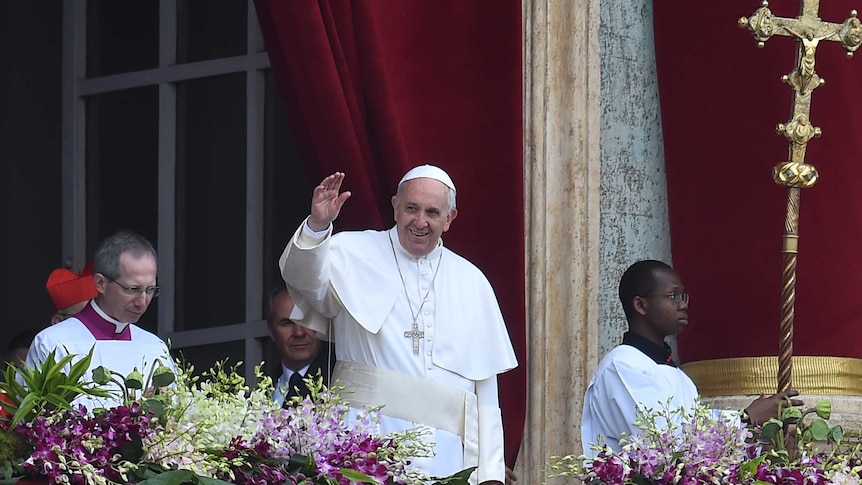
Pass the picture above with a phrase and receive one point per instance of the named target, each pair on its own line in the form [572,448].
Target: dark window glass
[210,30]
[203,357]
[287,190]
[211,202]
[122,169]
[122,36]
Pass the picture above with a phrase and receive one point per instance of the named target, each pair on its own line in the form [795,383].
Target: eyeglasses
[136,291]
[676,297]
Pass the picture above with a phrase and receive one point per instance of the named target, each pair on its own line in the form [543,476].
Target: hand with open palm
[326,202]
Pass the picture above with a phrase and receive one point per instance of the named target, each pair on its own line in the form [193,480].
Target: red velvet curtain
[721,99]
[375,87]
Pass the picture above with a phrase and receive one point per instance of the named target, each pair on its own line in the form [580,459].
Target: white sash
[414,399]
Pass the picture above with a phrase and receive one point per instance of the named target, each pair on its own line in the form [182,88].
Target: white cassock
[71,336]
[450,382]
[625,378]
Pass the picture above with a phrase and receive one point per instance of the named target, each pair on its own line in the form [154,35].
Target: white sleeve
[304,267]
[492,465]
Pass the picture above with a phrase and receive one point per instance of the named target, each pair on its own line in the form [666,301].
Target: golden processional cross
[808,30]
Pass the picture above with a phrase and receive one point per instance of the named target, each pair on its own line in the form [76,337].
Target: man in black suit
[302,353]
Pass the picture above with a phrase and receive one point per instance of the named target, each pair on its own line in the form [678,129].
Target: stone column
[562,134]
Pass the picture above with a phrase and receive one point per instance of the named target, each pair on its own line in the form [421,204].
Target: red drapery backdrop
[721,99]
[374,88]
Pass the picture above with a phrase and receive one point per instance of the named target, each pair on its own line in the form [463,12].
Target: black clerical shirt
[661,354]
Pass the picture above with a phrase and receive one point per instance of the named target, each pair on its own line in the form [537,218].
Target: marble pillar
[595,199]
[562,177]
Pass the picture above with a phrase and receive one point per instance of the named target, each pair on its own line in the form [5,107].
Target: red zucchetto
[67,288]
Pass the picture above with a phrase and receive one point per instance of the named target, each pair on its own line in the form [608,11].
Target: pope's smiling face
[422,214]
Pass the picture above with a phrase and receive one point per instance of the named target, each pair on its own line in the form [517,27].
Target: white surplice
[624,379]
[71,336]
[353,279]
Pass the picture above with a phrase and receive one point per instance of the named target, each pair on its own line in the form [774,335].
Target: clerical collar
[661,354]
[434,254]
[119,326]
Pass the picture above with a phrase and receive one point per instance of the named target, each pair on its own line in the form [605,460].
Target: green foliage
[225,380]
[47,387]
[12,447]
[134,388]
[460,478]
[181,477]
[795,434]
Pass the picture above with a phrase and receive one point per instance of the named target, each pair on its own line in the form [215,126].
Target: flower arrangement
[702,445]
[174,428]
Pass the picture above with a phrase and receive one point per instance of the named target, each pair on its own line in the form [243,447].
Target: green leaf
[639,479]
[154,406]
[749,468]
[54,372]
[134,450]
[29,378]
[173,477]
[57,401]
[838,433]
[819,429]
[24,409]
[202,480]
[78,390]
[770,430]
[298,463]
[355,476]
[460,478]
[79,368]
[824,409]
[163,376]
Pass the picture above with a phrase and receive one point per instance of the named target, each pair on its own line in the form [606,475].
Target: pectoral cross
[794,173]
[416,335]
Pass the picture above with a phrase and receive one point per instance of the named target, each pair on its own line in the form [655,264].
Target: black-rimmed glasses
[136,291]
[676,297]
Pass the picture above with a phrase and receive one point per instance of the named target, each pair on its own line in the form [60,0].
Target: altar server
[641,371]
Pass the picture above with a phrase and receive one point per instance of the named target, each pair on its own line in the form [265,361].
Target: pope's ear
[451,217]
[395,207]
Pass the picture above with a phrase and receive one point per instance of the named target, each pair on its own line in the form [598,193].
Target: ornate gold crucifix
[808,30]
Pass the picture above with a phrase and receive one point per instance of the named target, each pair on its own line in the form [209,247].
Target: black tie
[293,383]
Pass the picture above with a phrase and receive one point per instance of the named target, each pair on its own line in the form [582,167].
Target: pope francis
[417,327]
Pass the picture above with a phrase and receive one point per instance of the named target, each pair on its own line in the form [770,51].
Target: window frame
[76,87]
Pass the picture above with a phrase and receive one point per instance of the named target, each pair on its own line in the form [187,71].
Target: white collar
[434,254]
[288,373]
[120,326]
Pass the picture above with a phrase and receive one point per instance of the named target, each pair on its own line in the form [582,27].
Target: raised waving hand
[326,202]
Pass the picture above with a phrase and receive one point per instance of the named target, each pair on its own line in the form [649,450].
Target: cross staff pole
[795,174]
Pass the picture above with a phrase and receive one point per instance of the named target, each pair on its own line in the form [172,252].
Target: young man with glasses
[641,371]
[125,267]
